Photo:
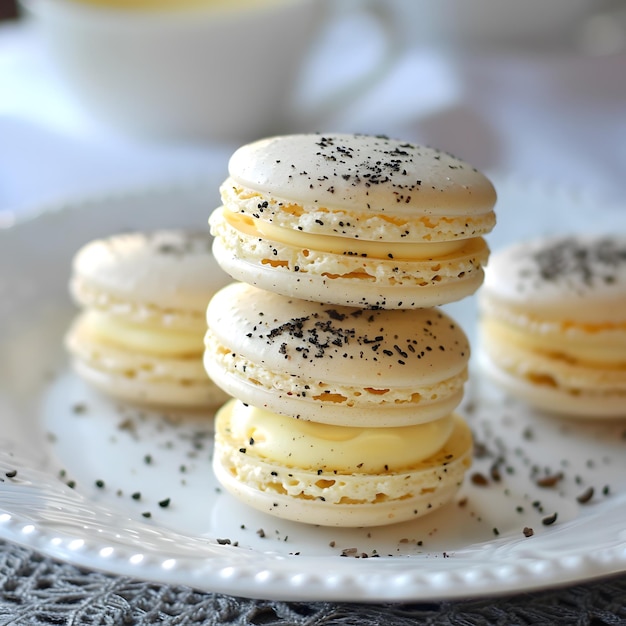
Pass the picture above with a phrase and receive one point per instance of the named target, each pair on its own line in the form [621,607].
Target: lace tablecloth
[35,590]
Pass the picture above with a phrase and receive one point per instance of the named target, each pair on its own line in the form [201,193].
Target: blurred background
[98,96]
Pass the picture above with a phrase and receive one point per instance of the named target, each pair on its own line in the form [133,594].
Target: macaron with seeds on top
[354,220]
[139,335]
[552,326]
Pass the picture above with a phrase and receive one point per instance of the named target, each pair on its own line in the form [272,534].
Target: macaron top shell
[576,278]
[372,348]
[363,176]
[172,270]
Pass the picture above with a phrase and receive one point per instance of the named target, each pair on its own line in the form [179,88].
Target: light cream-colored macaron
[337,475]
[553,324]
[332,364]
[140,334]
[354,220]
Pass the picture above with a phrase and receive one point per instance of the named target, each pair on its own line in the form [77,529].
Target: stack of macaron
[344,373]
[553,324]
[139,336]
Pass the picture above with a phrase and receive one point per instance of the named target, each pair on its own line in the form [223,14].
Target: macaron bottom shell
[545,387]
[156,380]
[345,406]
[167,394]
[346,279]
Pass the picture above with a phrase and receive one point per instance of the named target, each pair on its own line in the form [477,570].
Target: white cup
[463,25]
[207,69]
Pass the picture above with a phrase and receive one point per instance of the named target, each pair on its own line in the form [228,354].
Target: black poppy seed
[586,496]
[549,520]
[550,481]
[494,472]
[479,479]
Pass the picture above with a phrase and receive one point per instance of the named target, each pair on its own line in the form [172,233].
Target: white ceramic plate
[110,487]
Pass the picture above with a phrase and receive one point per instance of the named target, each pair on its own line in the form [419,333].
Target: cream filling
[89,297]
[344,449]
[584,348]
[176,5]
[147,338]
[347,246]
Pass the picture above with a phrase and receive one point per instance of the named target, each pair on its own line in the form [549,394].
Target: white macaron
[553,323]
[143,297]
[354,220]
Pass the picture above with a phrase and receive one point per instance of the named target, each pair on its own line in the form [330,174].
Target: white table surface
[557,117]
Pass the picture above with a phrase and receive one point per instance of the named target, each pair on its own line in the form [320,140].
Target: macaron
[354,220]
[337,475]
[553,324]
[139,336]
[338,365]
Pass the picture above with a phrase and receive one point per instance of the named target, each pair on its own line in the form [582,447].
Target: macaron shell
[580,279]
[343,500]
[349,280]
[362,173]
[335,364]
[170,270]
[349,406]
[162,393]
[343,344]
[552,387]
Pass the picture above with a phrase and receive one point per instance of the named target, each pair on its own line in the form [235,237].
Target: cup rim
[84,11]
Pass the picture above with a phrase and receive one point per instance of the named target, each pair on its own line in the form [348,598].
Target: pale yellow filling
[149,5]
[585,348]
[344,449]
[340,245]
[147,338]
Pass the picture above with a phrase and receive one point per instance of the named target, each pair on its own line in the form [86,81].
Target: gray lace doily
[39,591]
